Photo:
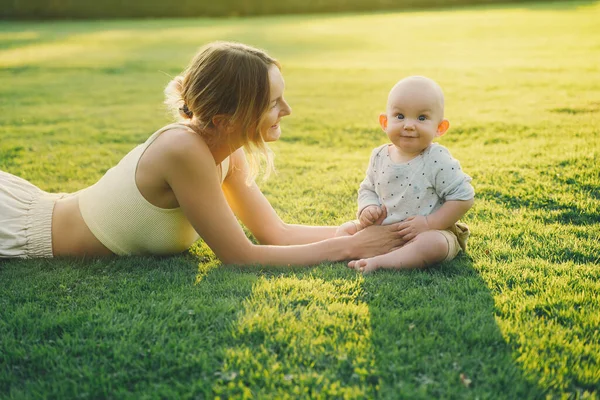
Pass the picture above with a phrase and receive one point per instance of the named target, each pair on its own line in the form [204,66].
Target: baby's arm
[425,245]
[452,185]
[369,205]
[449,214]
[443,218]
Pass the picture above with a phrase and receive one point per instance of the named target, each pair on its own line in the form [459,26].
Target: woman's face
[278,107]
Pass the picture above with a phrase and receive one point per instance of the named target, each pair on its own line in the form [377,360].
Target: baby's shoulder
[435,149]
[379,153]
[437,154]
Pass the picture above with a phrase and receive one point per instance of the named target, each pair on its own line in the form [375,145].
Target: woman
[188,180]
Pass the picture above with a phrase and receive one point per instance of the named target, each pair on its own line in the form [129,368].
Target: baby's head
[414,114]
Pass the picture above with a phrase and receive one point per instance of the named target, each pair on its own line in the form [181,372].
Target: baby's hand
[372,215]
[347,229]
[412,226]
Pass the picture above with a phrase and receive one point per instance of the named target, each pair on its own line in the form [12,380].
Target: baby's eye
[422,117]
[400,116]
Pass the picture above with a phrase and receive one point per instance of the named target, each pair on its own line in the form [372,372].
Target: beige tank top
[124,221]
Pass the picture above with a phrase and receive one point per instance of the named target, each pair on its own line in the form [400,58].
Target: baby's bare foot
[366,266]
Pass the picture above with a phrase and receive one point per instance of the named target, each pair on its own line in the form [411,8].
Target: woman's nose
[286,110]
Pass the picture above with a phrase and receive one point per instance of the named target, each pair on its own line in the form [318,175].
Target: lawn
[516,317]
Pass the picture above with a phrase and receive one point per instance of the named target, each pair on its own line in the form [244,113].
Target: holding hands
[374,215]
[407,231]
[371,215]
[348,228]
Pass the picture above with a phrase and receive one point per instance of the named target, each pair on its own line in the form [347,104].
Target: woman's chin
[273,134]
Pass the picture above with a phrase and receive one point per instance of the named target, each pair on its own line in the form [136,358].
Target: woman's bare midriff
[70,234]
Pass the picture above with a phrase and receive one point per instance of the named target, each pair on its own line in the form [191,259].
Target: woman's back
[130,210]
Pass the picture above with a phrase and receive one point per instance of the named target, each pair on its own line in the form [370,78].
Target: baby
[414,181]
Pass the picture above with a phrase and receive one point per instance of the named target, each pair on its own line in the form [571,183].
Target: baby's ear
[383,121]
[443,127]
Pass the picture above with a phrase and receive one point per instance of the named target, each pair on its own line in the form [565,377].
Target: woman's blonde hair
[231,79]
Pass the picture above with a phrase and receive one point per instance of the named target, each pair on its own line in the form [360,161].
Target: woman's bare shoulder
[178,151]
[238,158]
[181,145]
[181,139]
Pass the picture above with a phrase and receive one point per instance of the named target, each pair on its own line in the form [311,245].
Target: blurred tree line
[90,9]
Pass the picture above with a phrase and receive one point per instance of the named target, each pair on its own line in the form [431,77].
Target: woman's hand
[347,229]
[375,240]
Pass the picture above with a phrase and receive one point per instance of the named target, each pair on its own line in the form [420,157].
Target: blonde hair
[227,78]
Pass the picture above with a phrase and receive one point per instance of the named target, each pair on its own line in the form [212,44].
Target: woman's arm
[255,211]
[190,172]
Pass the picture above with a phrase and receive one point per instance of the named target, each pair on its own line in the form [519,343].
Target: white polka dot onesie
[418,187]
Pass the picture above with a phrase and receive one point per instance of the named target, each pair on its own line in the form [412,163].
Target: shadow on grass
[563,192]
[555,211]
[127,327]
[328,332]
[159,327]
[435,336]
[301,333]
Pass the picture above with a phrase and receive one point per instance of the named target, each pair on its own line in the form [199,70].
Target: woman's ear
[383,121]
[220,121]
[443,127]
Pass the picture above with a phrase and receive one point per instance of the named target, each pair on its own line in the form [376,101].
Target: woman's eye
[422,118]
[400,116]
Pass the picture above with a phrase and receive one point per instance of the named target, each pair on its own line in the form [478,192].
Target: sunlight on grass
[532,317]
[18,36]
[301,337]
[37,54]
[207,260]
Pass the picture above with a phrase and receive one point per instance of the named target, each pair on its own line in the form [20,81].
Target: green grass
[518,316]
[73,9]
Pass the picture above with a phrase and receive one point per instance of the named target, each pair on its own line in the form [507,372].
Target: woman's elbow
[274,237]
[239,256]
[272,241]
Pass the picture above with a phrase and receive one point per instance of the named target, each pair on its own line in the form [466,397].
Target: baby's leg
[426,249]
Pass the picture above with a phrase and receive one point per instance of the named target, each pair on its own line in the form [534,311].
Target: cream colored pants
[25,218]
[457,239]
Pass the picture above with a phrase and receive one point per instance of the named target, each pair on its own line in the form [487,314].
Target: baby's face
[414,112]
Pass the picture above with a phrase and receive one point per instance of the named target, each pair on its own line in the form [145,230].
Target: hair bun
[174,99]
[186,111]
